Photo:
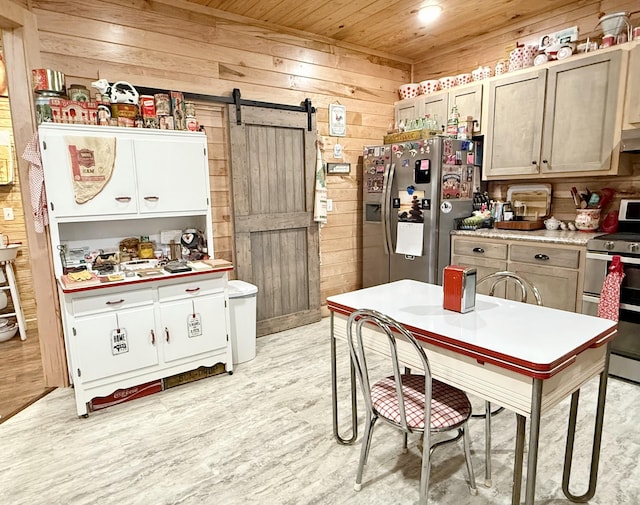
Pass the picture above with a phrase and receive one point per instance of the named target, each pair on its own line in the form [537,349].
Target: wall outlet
[8,214]
[329,205]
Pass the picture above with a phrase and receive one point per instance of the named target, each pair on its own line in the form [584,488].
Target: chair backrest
[525,286]
[391,331]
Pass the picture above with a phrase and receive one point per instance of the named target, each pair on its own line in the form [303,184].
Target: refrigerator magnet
[470,159]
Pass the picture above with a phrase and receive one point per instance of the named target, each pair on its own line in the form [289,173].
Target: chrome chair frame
[394,330]
[524,286]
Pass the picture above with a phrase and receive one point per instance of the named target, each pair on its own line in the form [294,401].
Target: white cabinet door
[468,100]
[190,327]
[172,174]
[436,107]
[99,350]
[581,114]
[408,109]
[117,197]
[513,133]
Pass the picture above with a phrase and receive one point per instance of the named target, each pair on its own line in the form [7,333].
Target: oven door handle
[606,257]
[623,306]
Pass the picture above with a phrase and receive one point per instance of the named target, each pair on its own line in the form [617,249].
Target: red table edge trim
[482,355]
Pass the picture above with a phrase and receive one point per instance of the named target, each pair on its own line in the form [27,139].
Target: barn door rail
[236,100]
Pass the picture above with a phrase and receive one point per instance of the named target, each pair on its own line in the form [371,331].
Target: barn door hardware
[236,100]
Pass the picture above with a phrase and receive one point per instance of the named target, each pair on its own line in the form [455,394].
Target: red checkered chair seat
[450,407]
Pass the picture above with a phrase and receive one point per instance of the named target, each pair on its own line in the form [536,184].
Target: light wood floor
[21,376]
[264,436]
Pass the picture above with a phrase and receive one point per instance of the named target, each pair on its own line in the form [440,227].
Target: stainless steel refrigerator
[412,193]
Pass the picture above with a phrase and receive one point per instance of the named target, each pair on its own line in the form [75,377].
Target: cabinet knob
[534,162]
[545,162]
[123,199]
[478,250]
[541,257]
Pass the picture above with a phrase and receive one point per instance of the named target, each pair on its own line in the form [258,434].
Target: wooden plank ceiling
[390,27]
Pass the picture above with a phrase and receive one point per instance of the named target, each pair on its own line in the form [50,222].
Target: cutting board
[536,198]
[538,224]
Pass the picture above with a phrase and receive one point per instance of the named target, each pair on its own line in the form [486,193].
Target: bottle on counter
[452,123]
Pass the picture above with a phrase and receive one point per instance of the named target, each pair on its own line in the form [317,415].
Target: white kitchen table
[521,356]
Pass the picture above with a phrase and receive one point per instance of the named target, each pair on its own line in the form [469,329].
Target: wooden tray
[538,224]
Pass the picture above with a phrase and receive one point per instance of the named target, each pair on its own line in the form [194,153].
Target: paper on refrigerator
[410,238]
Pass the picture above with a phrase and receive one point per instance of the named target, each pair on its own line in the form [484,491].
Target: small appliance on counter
[194,244]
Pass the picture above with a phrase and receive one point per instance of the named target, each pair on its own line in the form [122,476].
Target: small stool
[6,262]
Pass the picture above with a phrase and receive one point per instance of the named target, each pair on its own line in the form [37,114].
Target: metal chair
[523,287]
[404,400]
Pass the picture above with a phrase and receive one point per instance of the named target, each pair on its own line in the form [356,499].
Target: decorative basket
[459,225]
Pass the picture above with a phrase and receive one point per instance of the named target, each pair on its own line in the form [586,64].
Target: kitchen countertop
[578,238]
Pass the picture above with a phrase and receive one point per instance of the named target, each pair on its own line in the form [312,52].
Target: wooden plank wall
[15,229]
[495,46]
[487,50]
[154,44]
[171,45]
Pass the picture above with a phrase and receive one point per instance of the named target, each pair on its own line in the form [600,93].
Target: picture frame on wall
[337,120]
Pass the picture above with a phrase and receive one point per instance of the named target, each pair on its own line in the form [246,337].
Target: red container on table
[459,288]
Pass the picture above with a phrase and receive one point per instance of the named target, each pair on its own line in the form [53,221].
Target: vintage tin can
[163,104]
[78,93]
[147,106]
[192,124]
[44,114]
[177,106]
[459,288]
[126,110]
[190,109]
[45,80]
[166,123]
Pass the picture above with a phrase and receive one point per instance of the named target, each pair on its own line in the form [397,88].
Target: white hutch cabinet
[125,333]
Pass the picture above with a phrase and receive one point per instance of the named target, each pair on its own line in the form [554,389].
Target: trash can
[242,312]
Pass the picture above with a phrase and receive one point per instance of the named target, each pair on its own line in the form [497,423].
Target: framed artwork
[338,168]
[337,120]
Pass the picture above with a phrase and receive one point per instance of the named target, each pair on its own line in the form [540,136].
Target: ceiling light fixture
[429,13]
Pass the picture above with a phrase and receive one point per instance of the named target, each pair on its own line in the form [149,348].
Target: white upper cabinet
[172,174]
[632,104]
[557,121]
[155,172]
[118,194]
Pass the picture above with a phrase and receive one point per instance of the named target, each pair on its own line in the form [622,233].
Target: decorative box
[70,111]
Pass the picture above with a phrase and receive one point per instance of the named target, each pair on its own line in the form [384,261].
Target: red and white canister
[147,106]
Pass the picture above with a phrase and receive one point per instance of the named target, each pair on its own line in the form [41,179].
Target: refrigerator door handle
[386,214]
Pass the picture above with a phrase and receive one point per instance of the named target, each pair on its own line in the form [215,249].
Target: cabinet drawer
[195,287]
[480,249]
[112,302]
[545,256]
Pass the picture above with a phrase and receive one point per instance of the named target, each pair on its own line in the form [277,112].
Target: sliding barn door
[276,239]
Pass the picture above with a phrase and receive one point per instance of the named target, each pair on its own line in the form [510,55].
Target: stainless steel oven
[625,348]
